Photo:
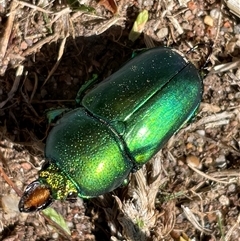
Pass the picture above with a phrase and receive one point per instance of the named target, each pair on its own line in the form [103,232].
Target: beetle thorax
[59,184]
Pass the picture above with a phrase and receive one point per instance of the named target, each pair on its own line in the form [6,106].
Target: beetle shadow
[25,119]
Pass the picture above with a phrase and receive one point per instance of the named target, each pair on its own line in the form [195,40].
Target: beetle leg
[85,87]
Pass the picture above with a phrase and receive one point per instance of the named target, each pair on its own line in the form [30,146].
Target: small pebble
[200,141]
[208,20]
[232,188]
[55,235]
[24,45]
[214,13]
[224,200]
[227,24]
[148,3]
[188,15]
[190,139]
[208,161]
[193,161]
[236,29]
[200,149]
[212,217]
[162,33]
[201,132]
[189,146]
[186,26]
[192,5]
[220,161]
[26,166]
[10,203]
[238,74]
[211,31]
[230,96]
[70,224]
[234,123]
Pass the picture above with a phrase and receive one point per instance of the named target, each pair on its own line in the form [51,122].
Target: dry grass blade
[226,173]
[60,54]
[215,118]
[26,98]
[231,230]
[225,67]
[25,4]
[166,221]
[211,121]
[191,217]
[149,41]
[176,24]
[60,14]
[15,85]
[207,176]
[34,87]
[108,24]
[131,227]
[234,6]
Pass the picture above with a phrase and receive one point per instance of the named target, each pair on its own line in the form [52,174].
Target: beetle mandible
[120,125]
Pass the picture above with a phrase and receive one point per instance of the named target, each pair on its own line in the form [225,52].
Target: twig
[39,44]
[10,183]
[8,30]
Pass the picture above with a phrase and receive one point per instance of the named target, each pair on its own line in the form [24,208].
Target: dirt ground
[48,49]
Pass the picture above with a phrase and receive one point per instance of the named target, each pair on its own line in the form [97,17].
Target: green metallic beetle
[121,124]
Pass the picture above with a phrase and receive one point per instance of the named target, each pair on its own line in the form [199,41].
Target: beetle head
[51,185]
[36,197]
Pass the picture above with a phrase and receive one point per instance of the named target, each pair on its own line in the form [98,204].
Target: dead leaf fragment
[109,5]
